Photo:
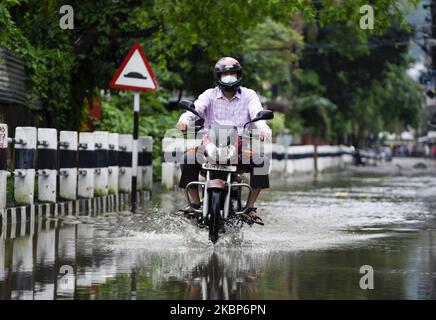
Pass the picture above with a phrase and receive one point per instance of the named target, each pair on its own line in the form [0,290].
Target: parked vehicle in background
[363,157]
[385,154]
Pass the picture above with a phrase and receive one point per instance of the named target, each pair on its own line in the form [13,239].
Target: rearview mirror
[262,115]
[188,106]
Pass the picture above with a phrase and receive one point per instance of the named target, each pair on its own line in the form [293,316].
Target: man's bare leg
[251,202]
[195,196]
[253,198]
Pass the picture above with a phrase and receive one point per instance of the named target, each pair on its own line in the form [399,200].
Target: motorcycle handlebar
[196,129]
[246,134]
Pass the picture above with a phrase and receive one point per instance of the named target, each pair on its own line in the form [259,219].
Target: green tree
[65,66]
[352,68]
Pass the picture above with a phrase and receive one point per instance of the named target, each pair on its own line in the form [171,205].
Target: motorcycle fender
[216,184]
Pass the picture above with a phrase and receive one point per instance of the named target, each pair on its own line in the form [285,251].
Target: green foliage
[264,67]
[10,35]
[294,123]
[352,70]
[337,63]
[315,112]
[215,25]
[398,100]
[308,81]
[277,124]
[154,120]
[345,17]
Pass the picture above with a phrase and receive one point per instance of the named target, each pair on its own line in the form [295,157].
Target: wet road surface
[318,234]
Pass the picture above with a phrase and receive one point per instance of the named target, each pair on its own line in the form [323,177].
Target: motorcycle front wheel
[215,214]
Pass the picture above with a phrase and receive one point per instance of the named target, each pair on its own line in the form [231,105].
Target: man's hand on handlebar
[264,135]
[182,126]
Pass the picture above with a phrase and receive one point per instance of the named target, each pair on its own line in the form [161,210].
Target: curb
[81,207]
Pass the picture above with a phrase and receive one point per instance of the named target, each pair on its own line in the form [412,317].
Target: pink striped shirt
[217,109]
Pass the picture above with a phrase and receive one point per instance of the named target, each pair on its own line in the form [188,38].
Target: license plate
[219,167]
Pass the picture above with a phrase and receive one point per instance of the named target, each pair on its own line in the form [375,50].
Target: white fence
[300,159]
[72,165]
[290,160]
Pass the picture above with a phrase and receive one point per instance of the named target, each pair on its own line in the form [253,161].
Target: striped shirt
[215,108]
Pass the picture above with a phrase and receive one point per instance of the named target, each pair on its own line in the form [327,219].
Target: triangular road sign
[135,73]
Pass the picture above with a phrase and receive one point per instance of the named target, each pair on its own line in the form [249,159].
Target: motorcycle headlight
[231,152]
[215,153]
[210,151]
[226,153]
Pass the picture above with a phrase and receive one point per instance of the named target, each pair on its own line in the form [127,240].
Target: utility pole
[433,34]
[432,48]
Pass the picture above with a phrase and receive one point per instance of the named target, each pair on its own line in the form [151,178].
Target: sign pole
[135,74]
[136,107]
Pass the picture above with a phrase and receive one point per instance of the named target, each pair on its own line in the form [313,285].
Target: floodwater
[318,234]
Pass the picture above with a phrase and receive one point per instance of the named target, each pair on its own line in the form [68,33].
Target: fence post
[167,165]
[85,181]
[113,163]
[290,162]
[3,164]
[277,158]
[139,174]
[125,162]
[25,147]
[46,164]
[68,165]
[102,163]
[173,149]
[146,166]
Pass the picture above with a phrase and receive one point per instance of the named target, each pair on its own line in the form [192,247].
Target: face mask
[229,79]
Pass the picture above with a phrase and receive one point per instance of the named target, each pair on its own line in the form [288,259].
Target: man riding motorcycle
[227,104]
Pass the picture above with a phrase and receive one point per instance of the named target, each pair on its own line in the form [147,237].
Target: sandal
[188,212]
[251,214]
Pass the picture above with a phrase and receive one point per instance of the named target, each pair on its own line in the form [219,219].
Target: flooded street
[318,234]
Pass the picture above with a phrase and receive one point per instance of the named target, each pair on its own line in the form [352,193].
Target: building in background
[13,109]
[423,50]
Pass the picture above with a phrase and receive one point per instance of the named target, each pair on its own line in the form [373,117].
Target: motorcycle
[226,156]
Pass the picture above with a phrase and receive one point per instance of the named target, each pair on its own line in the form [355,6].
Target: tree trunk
[315,154]
[433,28]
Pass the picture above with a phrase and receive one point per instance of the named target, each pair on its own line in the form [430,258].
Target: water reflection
[153,256]
[31,269]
